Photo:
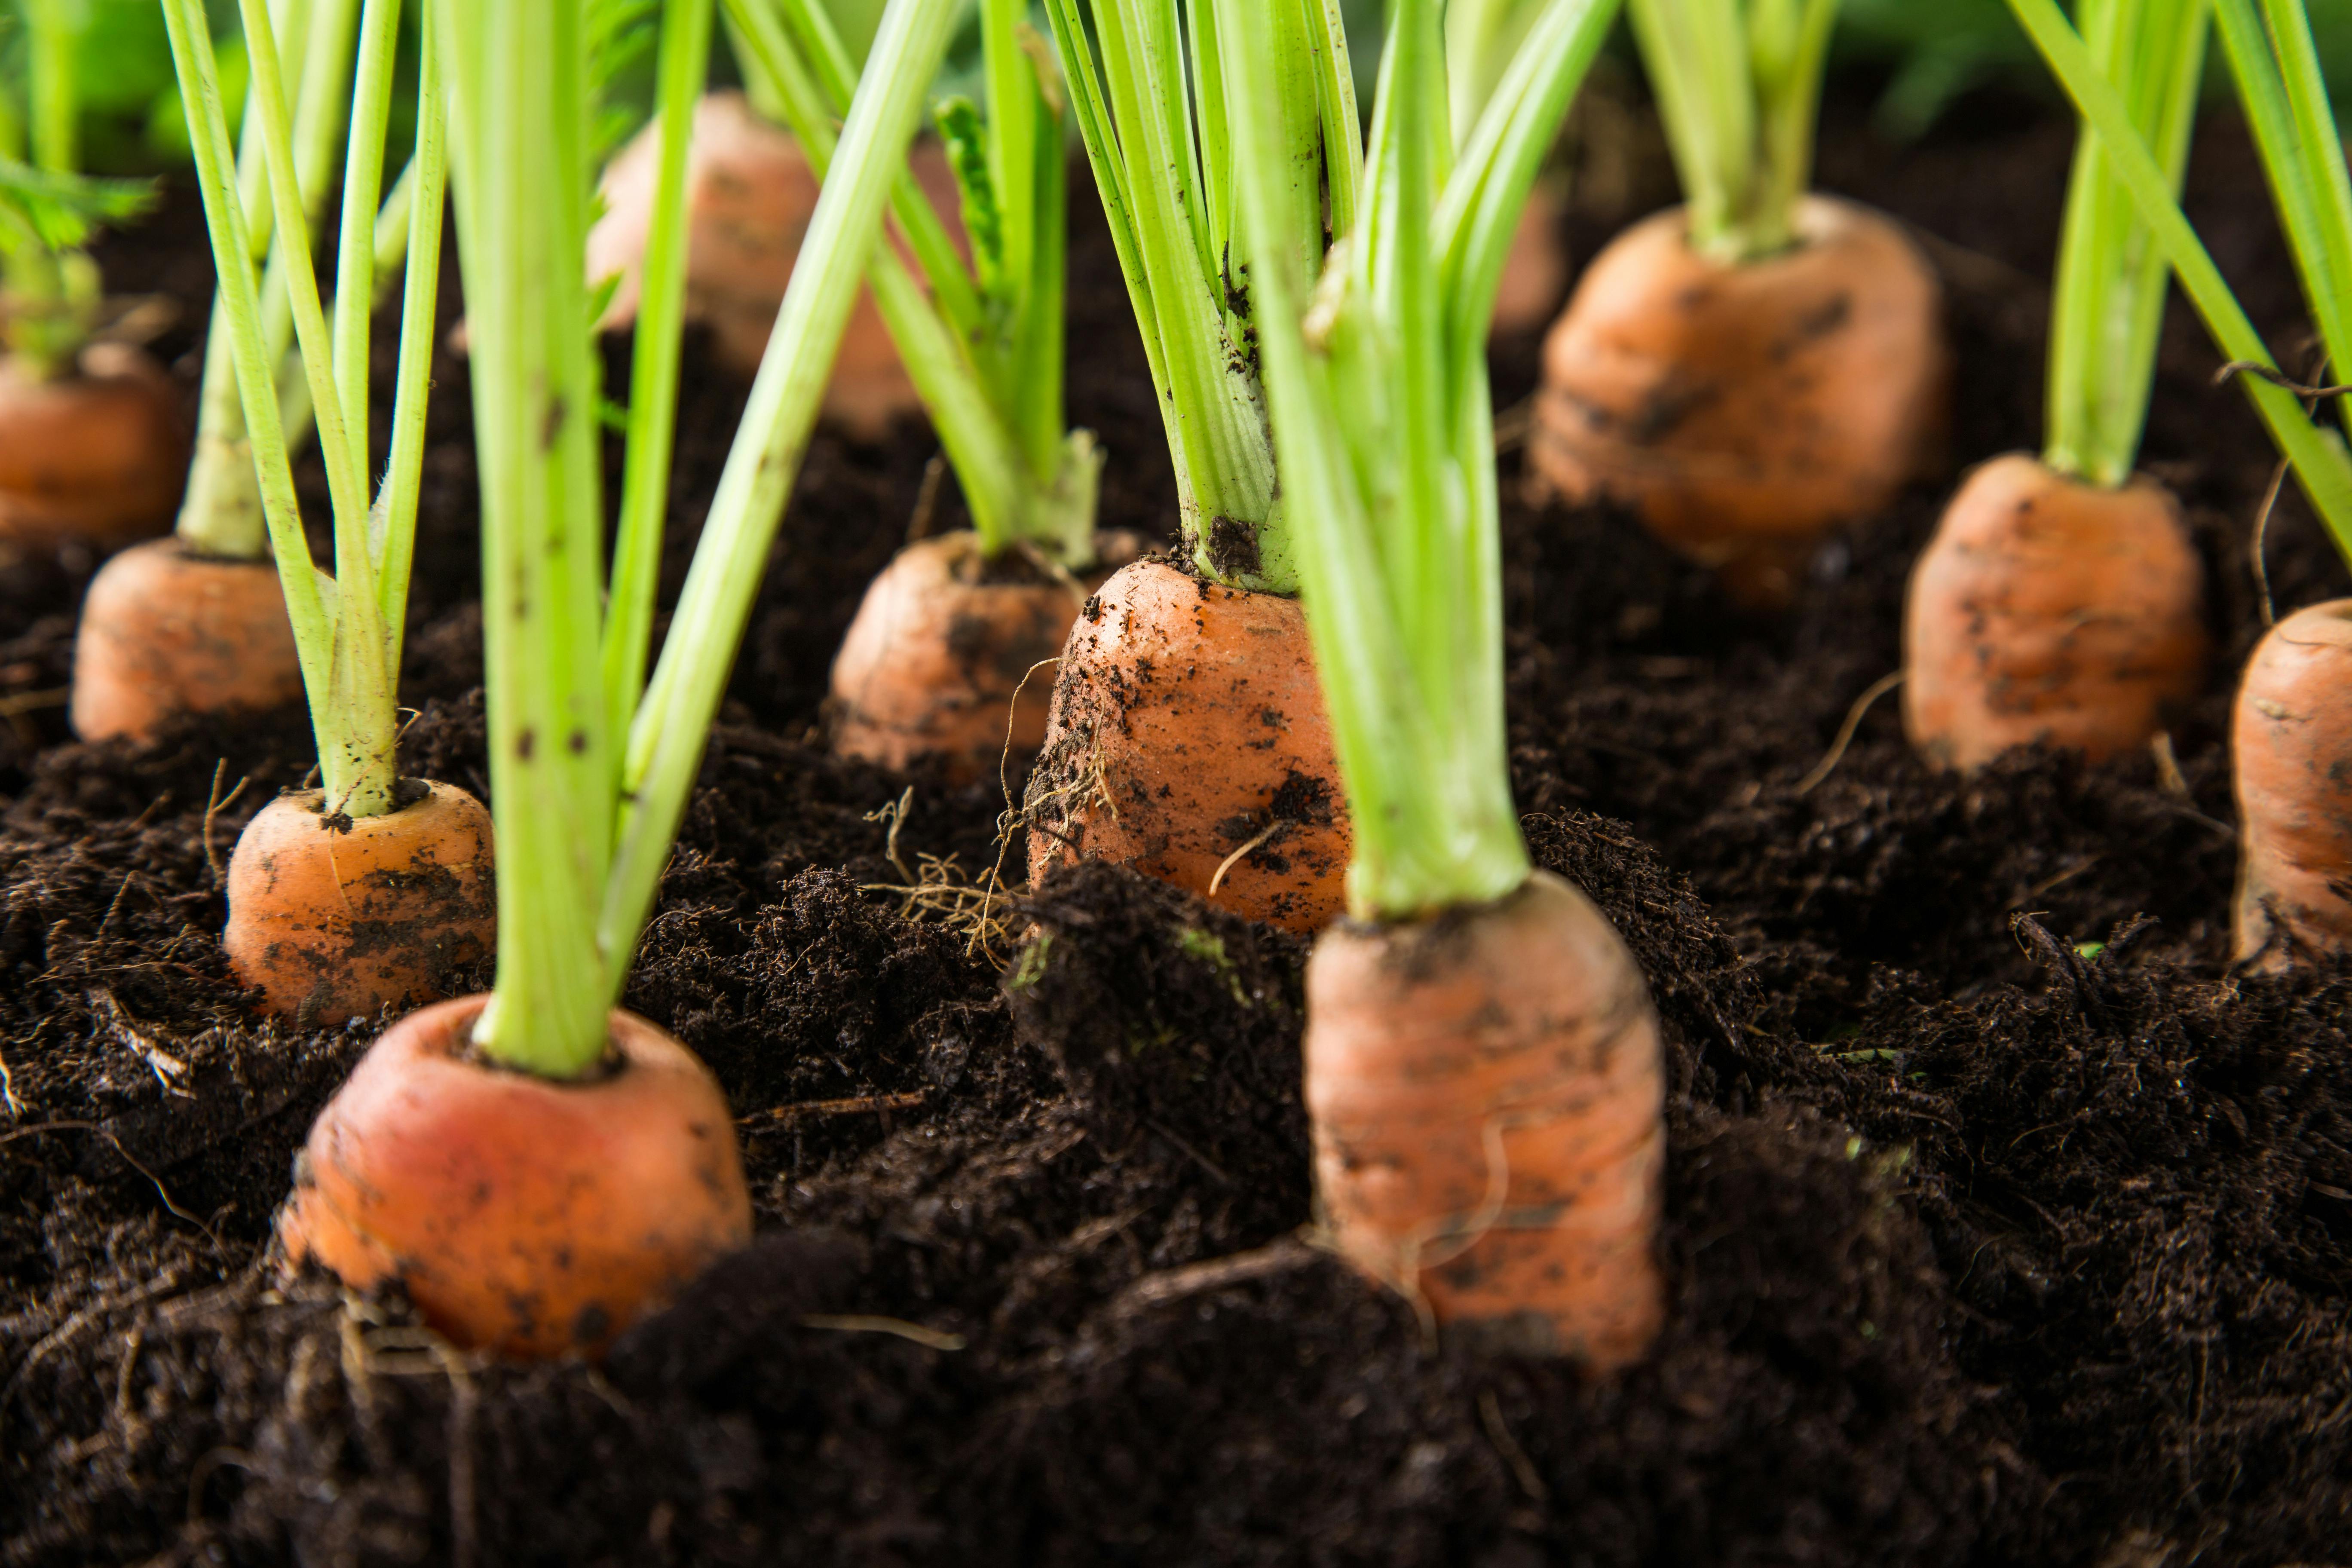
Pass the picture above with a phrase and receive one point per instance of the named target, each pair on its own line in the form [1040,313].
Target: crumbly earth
[2004,1225]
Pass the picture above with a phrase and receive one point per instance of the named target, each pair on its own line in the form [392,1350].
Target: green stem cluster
[982,345]
[2275,67]
[2109,299]
[588,785]
[1383,419]
[347,627]
[1738,84]
[1156,101]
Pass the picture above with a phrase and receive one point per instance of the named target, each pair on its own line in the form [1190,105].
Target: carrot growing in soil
[370,890]
[195,623]
[91,443]
[1752,369]
[1187,736]
[937,666]
[2061,602]
[1482,1060]
[539,1166]
[2293,724]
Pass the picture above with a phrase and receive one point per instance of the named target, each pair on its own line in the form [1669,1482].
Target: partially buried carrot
[1189,740]
[1482,1062]
[2289,741]
[1486,1090]
[533,1217]
[96,456]
[1742,409]
[167,630]
[951,655]
[2050,611]
[334,917]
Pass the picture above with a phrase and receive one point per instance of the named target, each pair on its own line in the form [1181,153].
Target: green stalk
[1166,192]
[2322,465]
[654,367]
[53,39]
[993,388]
[1403,568]
[1738,86]
[2109,304]
[666,742]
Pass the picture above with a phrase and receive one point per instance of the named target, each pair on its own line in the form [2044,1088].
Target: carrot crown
[347,629]
[1383,418]
[982,342]
[1738,85]
[591,763]
[51,297]
[2275,67]
[1155,106]
[2108,302]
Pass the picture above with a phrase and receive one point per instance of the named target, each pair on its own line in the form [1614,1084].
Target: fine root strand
[1853,718]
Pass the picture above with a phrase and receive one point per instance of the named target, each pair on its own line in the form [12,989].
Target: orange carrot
[1188,738]
[1744,410]
[2289,739]
[749,196]
[1486,1086]
[166,631]
[2052,612]
[525,1215]
[334,917]
[99,456]
[942,642]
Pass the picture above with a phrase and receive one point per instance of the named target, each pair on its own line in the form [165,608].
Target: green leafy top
[52,297]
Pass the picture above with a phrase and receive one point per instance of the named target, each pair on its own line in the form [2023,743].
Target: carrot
[96,456]
[1188,739]
[943,660]
[523,1215]
[749,196]
[1485,1088]
[1742,409]
[2292,732]
[2050,611]
[333,917]
[166,630]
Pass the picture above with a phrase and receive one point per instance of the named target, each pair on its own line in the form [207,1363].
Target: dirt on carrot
[1998,1228]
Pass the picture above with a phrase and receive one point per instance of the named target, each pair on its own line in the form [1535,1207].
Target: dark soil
[1987,1244]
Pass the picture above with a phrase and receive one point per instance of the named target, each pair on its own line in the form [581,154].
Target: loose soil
[1989,1244]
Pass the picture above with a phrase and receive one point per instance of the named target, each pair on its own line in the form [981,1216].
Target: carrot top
[1738,84]
[1156,106]
[591,761]
[983,342]
[2109,299]
[1383,419]
[2275,65]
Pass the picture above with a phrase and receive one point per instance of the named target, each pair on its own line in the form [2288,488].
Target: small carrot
[2292,732]
[2050,611]
[951,655]
[167,630]
[1742,409]
[749,195]
[1188,739]
[523,1215]
[334,917]
[97,455]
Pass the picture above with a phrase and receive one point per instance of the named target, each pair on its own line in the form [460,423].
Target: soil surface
[1988,1243]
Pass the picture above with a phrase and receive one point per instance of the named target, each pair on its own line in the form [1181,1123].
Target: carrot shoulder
[1487,1089]
[166,630]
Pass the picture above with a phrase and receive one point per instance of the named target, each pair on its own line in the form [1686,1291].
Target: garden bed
[1985,1243]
